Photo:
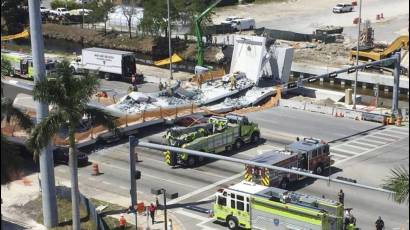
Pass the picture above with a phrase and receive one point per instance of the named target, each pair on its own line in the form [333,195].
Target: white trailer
[108,63]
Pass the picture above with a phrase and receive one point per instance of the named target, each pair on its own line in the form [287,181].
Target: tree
[9,152]
[6,70]
[14,16]
[398,182]
[129,10]
[69,95]
[100,12]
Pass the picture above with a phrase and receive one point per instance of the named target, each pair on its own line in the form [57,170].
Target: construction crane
[199,33]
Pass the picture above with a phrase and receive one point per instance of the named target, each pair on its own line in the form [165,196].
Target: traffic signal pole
[396,85]
[133,189]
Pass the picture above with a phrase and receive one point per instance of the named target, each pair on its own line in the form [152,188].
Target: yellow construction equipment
[23,34]
[378,54]
[174,59]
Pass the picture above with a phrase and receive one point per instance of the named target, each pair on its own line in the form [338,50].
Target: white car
[230,19]
[60,12]
[244,24]
[44,10]
[343,8]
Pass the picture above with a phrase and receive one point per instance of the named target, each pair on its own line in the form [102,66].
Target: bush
[69,4]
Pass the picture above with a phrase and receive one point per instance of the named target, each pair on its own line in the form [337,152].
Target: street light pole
[48,190]
[82,23]
[357,55]
[171,77]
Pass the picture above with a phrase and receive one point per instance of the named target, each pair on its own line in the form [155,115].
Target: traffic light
[137,175]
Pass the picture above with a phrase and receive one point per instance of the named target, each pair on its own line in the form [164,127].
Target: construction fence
[333,111]
[125,124]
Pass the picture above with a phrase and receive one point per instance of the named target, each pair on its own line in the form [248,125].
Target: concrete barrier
[350,114]
[319,109]
[292,104]
[374,117]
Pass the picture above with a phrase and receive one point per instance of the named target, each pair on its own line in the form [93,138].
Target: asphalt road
[367,157]
[196,186]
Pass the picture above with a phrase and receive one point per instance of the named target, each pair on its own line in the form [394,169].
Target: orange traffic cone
[96,170]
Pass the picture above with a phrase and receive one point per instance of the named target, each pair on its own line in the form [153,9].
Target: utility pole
[357,54]
[48,190]
[133,189]
[171,77]
[396,89]
[82,22]
[165,210]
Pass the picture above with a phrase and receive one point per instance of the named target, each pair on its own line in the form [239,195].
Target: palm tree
[6,69]
[69,96]
[9,156]
[398,182]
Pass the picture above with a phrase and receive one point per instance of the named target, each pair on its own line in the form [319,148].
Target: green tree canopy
[398,182]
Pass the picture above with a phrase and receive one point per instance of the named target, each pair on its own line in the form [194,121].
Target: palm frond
[43,132]
[100,117]
[50,91]
[398,182]
[83,88]
[8,111]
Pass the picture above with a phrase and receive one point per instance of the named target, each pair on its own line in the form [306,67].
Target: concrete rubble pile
[252,61]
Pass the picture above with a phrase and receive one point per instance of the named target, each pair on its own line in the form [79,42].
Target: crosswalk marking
[343,151]
[368,143]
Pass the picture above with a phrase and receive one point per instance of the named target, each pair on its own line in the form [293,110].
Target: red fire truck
[309,155]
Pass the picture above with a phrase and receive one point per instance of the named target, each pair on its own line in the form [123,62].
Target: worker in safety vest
[232,80]
[122,222]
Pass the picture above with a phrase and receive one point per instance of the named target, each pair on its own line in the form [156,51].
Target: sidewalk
[16,194]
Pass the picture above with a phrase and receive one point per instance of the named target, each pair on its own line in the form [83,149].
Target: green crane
[199,33]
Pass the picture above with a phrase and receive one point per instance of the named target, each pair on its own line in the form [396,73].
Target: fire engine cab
[308,155]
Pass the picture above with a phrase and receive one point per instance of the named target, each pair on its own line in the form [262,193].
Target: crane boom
[199,33]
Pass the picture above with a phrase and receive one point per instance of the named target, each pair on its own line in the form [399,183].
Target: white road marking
[123,187]
[399,130]
[363,153]
[192,215]
[352,144]
[338,155]
[383,138]
[367,144]
[147,175]
[343,150]
[92,178]
[105,182]
[393,134]
[370,140]
[206,188]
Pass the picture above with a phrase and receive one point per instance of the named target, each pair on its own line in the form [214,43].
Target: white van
[244,24]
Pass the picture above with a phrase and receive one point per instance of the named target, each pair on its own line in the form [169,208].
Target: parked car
[60,12]
[244,24]
[343,8]
[61,157]
[230,19]
[44,10]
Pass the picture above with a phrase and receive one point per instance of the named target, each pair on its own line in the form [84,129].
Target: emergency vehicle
[251,206]
[218,135]
[309,155]
[22,64]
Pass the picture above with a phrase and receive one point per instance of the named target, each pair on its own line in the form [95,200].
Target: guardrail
[65,192]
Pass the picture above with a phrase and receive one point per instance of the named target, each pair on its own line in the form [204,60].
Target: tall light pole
[48,190]
[171,77]
[357,55]
[82,22]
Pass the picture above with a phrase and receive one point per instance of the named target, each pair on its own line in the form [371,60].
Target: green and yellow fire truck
[22,64]
[218,135]
[251,206]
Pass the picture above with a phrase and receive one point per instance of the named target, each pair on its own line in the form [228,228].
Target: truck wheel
[284,183]
[232,223]
[238,144]
[319,169]
[191,161]
[255,138]
[107,77]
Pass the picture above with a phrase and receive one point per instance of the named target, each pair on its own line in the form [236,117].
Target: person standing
[152,209]
[170,226]
[341,196]
[122,222]
[379,223]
